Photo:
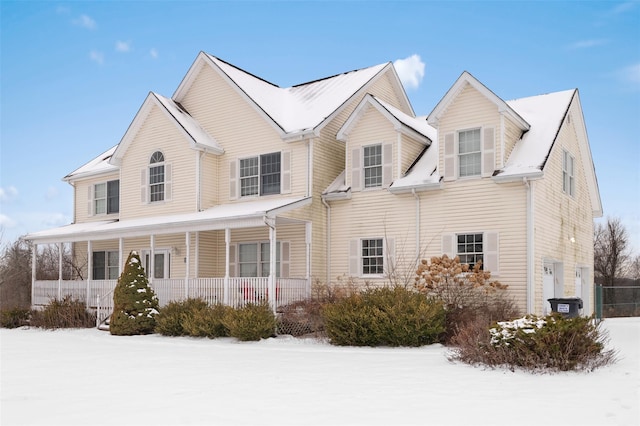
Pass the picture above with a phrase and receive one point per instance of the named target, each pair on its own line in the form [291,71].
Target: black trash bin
[569,307]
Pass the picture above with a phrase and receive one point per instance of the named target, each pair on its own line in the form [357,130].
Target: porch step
[104,326]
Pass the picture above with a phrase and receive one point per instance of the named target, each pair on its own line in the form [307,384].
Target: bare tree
[611,250]
[15,275]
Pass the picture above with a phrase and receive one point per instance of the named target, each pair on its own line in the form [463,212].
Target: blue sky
[74,74]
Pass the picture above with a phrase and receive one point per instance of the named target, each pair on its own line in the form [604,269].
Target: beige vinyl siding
[210,180]
[411,149]
[560,217]
[82,189]
[469,110]
[469,207]
[158,133]
[511,135]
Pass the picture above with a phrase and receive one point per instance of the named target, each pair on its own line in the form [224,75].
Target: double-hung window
[469,153]
[469,248]
[106,199]
[372,157]
[105,265]
[372,256]
[260,175]
[254,259]
[156,177]
[568,180]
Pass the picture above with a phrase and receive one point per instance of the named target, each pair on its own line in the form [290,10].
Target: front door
[548,287]
[161,261]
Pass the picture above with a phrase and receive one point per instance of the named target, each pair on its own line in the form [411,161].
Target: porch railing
[240,291]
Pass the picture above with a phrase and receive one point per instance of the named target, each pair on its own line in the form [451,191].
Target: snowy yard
[86,377]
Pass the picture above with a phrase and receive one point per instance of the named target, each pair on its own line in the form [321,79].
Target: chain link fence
[617,301]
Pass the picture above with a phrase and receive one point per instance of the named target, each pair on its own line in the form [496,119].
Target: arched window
[156,177]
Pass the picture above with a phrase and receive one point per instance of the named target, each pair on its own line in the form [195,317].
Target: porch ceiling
[233,216]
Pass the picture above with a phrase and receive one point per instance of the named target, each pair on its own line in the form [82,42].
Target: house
[235,189]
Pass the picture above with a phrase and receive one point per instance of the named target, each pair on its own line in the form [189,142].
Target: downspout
[328,246]
[199,155]
[417,197]
[502,140]
[34,260]
[309,165]
[531,294]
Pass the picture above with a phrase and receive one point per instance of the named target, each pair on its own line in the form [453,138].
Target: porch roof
[236,215]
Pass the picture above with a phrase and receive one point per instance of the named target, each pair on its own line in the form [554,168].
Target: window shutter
[354,258]
[356,170]
[490,253]
[90,202]
[448,245]
[167,182]
[387,165]
[449,157]
[284,259]
[488,152]
[390,255]
[143,186]
[233,180]
[232,260]
[285,178]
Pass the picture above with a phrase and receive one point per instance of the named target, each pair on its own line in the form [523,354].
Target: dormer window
[372,157]
[469,153]
[156,177]
[106,197]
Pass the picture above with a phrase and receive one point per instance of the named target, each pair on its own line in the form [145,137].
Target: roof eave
[421,187]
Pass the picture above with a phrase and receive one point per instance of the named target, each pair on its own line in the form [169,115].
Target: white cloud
[154,53]
[85,21]
[410,70]
[97,57]
[123,46]
[8,194]
[54,219]
[622,8]
[585,44]
[6,221]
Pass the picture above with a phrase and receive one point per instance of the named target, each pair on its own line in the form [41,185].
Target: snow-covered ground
[86,377]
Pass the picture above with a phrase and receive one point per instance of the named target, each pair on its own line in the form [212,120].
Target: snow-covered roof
[338,189]
[417,124]
[235,215]
[545,114]
[303,107]
[97,166]
[422,175]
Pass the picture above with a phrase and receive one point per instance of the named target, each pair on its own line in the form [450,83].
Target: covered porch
[234,254]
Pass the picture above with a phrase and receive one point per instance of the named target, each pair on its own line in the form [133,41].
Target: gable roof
[297,110]
[186,124]
[407,124]
[467,79]
[97,166]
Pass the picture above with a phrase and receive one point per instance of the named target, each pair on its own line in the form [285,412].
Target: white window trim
[568,179]
[167,263]
[361,273]
[106,263]
[380,166]
[284,175]
[259,262]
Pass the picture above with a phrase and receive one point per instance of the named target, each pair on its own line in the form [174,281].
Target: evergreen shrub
[207,321]
[65,313]
[170,319]
[386,316]
[135,303]
[551,343]
[250,322]
[14,317]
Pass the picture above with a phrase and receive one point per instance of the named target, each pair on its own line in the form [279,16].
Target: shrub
[251,322]
[302,317]
[169,321]
[65,313]
[14,318]
[551,343]
[468,294]
[135,303]
[206,321]
[384,316]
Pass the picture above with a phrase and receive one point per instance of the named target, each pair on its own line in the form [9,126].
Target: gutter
[531,294]
[417,197]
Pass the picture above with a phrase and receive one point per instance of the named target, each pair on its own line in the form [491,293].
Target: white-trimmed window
[156,177]
[161,263]
[105,265]
[254,259]
[470,249]
[260,175]
[568,180]
[106,197]
[469,153]
[372,156]
[372,256]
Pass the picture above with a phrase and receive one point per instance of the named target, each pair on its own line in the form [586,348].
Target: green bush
[169,322]
[135,305]
[206,321]
[14,318]
[251,322]
[551,343]
[65,313]
[384,316]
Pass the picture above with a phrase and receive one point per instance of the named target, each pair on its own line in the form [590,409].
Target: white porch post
[308,244]
[272,266]
[89,269]
[34,258]
[59,271]
[120,257]
[188,260]
[227,242]
[152,260]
